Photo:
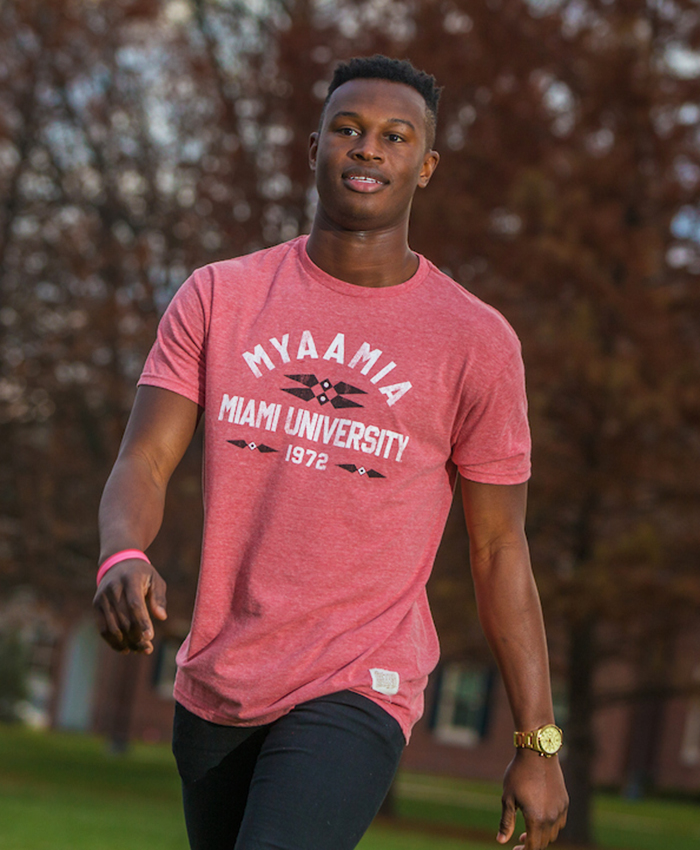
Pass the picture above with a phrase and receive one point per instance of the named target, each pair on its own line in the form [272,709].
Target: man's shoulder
[464,311]
[261,261]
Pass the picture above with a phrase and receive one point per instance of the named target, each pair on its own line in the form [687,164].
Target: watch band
[524,739]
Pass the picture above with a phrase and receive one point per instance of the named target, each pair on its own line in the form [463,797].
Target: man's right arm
[160,429]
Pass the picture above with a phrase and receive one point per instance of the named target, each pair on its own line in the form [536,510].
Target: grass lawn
[619,824]
[66,792]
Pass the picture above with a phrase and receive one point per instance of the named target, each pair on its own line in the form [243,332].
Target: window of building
[463,704]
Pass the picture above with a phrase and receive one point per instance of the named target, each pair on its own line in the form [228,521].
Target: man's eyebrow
[402,121]
[345,114]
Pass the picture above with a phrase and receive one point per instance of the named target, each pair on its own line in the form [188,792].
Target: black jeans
[312,780]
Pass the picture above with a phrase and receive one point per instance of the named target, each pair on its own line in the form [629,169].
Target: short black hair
[379,67]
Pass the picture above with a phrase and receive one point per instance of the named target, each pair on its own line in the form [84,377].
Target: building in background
[466,729]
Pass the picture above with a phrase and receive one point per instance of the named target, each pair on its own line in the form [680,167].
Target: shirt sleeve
[492,444]
[177,360]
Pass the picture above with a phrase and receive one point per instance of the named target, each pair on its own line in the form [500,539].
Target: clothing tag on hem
[384,681]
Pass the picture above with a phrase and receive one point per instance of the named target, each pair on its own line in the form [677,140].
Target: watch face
[549,739]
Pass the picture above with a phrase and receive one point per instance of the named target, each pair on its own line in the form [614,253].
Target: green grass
[647,824]
[66,792]
[384,838]
[618,823]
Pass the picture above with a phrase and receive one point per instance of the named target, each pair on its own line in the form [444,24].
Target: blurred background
[140,139]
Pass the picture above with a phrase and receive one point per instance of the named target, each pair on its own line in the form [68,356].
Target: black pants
[312,780]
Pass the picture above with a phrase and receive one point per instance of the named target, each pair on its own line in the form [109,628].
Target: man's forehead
[398,100]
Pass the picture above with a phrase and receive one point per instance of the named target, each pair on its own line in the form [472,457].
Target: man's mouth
[363,182]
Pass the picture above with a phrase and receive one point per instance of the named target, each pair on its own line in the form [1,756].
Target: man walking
[344,381]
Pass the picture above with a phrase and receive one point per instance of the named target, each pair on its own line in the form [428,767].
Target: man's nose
[367,149]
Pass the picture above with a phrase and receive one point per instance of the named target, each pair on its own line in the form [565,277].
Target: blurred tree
[124,163]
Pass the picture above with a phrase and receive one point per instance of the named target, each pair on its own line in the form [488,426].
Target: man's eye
[394,137]
[347,131]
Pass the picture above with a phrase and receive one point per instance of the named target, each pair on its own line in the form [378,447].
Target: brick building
[466,729]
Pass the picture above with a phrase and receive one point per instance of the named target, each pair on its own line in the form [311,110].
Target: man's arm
[511,617]
[157,435]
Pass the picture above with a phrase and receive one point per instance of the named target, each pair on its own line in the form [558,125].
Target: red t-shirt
[335,417]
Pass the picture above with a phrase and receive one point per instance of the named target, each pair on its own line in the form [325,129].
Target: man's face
[370,154]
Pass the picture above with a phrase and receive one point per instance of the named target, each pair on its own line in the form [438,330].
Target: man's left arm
[511,617]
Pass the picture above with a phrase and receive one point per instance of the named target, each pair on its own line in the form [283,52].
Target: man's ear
[313,150]
[430,163]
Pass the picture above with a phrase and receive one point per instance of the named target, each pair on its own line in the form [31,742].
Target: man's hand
[534,785]
[160,429]
[129,594]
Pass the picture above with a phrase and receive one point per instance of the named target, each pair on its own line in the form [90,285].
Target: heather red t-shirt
[335,419]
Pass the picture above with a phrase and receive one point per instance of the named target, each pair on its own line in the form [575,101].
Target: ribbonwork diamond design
[252,445]
[370,473]
[324,391]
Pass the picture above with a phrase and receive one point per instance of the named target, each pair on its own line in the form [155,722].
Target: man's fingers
[156,597]
[109,629]
[127,633]
[544,829]
[507,824]
[557,826]
[523,839]
[140,621]
[536,837]
[121,612]
[539,834]
[123,601]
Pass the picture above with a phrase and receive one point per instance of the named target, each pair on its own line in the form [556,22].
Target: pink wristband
[124,555]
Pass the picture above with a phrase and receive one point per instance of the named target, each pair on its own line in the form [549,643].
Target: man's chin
[358,221]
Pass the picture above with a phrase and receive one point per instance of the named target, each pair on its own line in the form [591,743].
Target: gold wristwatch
[546,740]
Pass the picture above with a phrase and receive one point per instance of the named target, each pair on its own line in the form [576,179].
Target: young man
[343,381]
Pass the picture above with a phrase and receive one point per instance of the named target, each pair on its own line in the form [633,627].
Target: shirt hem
[486,478]
[173,386]
[222,720]
[398,713]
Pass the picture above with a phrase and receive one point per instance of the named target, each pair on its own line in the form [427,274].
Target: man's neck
[365,258]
